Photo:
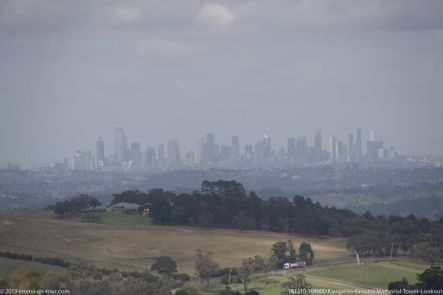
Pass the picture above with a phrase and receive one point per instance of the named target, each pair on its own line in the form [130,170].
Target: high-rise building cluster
[208,154]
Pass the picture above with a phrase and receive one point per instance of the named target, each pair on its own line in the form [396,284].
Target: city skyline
[129,155]
[108,144]
[174,69]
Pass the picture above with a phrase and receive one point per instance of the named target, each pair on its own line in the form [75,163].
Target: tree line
[227,204]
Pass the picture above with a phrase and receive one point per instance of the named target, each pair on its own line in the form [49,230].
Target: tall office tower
[267,147]
[235,148]
[351,157]
[249,152]
[333,149]
[149,158]
[317,145]
[302,150]
[259,153]
[358,147]
[82,160]
[100,152]
[199,150]
[135,155]
[209,149]
[161,154]
[121,145]
[225,155]
[342,152]
[291,149]
[173,151]
[189,158]
[373,147]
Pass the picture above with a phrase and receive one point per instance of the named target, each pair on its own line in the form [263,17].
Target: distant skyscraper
[373,147]
[225,155]
[342,152]
[259,153]
[209,148]
[173,152]
[199,150]
[302,150]
[267,147]
[121,146]
[291,148]
[358,147]
[135,155]
[82,160]
[235,148]
[100,152]
[149,158]
[235,140]
[333,150]
[351,157]
[318,145]
[161,154]
[249,152]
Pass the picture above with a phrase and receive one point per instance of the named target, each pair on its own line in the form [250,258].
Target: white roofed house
[124,207]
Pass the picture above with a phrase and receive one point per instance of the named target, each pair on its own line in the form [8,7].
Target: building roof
[126,206]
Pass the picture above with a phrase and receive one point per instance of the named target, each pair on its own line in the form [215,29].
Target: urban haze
[163,70]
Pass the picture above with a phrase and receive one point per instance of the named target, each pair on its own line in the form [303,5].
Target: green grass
[370,274]
[135,246]
[123,219]
[130,242]
[9,266]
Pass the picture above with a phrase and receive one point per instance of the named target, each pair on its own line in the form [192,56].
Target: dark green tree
[164,265]
[205,266]
[161,211]
[279,250]
[431,279]
[399,287]
[306,253]
[292,257]
[245,270]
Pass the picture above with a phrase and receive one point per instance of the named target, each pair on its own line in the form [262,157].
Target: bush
[223,271]
[188,291]
[181,277]
[52,261]
[91,217]
[105,271]
[17,256]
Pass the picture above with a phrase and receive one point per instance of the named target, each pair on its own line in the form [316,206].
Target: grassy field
[135,246]
[9,266]
[373,274]
[123,219]
[130,242]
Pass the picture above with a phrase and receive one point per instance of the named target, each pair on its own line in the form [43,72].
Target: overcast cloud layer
[71,71]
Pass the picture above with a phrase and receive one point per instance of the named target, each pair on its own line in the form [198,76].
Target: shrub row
[45,260]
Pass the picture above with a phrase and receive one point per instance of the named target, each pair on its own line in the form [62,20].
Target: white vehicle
[294,265]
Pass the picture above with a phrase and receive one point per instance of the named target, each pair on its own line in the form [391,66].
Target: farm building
[123,207]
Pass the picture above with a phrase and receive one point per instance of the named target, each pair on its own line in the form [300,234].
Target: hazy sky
[71,71]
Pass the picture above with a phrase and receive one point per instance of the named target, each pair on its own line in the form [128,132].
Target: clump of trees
[45,260]
[75,205]
[296,285]
[205,266]
[226,204]
[418,238]
[83,277]
[164,265]
[284,252]
[430,279]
